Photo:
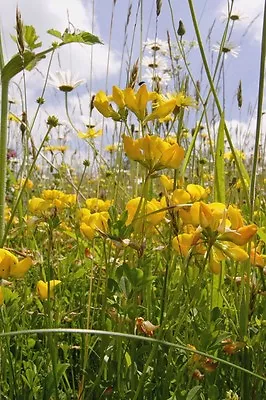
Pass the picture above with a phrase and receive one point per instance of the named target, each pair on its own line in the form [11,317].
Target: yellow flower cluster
[10,266]
[51,199]
[214,230]
[145,215]
[137,102]
[61,149]
[94,217]
[153,152]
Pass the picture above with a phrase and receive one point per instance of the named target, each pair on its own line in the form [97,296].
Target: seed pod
[181,29]
[239,95]
[158,7]
[19,29]
[134,75]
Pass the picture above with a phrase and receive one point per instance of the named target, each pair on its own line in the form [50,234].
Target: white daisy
[235,16]
[227,48]
[64,81]
[154,77]
[155,62]
[157,45]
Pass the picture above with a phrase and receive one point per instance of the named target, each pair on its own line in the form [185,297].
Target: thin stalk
[2,61]
[259,116]
[5,232]
[3,155]
[216,99]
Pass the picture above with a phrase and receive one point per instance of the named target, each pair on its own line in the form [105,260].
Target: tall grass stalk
[259,116]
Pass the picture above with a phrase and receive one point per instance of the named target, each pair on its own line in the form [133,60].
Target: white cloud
[251,13]
[47,14]
[44,15]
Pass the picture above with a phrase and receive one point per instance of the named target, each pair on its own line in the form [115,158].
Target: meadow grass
[139,274]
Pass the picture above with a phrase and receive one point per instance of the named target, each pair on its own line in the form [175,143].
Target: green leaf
[82,37]
[192,394]
[17,64]
[31,37]
[128,359]
[49,388]
[134,275]
[55,33]
[34,62]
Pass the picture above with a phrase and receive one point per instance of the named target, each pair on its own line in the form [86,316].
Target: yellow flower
[153,152]
[180,196]
[29,184]
[93,222]
[162,111]
[111,148]
[95,204]
[229,156]
[146,213]
[167,182]
[256,258]
[137,102]
[10,266]
[101,102]
[183,243]
[7,213]
[241,236]
[169,104]
[61,149]
[118,97]
[197,192]
[91,133]
[43,289]
[235,217]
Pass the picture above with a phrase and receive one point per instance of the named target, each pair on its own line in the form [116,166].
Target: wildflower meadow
[132,213]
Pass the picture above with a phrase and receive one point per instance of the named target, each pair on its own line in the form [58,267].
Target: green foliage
[80,37]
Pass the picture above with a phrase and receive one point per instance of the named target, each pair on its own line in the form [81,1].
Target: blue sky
[45,14]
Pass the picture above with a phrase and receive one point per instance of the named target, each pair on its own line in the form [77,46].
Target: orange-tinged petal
[257,259]
[241,236]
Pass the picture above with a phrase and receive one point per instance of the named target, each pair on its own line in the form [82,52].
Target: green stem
[216,99]
[5,232]
[3,155]
[259,115]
